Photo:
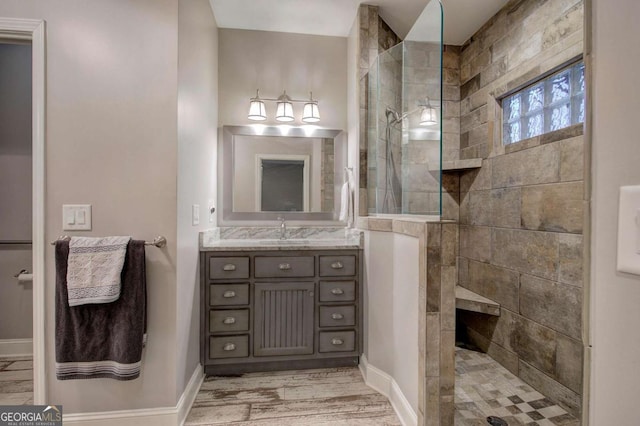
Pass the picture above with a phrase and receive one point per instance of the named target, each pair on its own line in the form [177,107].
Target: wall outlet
[629,230]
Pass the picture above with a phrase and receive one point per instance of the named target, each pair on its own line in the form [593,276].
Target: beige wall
[244,180]
[197,147]
[273,62]
[111,114]
[615,314]
[378,298]
[391,308]
[405,316]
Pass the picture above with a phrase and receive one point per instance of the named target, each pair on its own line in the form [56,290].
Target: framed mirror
[277,171]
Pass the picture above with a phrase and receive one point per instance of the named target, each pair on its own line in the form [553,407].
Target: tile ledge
[413,226]
[459,165]
[469,301]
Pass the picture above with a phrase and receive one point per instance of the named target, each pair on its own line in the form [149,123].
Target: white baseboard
[403,409]
[387,386]
[189,394]
[374,377]
[162,416]
[16,347]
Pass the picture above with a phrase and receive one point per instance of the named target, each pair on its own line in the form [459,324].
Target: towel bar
[16,242]
[158,241]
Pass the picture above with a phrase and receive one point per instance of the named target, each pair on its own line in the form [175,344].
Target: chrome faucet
[283,228]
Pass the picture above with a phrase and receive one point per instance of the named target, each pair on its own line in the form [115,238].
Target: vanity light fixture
[284,108]
[310,112]
[428,114]
[257,111]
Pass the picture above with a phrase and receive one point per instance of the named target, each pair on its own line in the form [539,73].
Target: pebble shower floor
[485,388]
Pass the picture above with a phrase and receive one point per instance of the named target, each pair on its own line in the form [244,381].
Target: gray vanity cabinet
[280,309]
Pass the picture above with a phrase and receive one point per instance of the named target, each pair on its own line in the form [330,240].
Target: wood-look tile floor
[336,396]
[16,381]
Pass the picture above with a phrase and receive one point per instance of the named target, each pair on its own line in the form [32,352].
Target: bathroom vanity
[269,304]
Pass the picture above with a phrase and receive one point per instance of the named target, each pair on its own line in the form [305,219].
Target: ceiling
[462,18]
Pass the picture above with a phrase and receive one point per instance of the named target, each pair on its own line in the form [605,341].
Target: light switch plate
[76,217]
[195,214]
[629,230]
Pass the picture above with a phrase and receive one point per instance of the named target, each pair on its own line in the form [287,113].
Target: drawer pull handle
[284,266]
[229,320]
[337,291]
[336,316]
[229,267]
[337,265]
[229,294]
[336,342]
[229,347]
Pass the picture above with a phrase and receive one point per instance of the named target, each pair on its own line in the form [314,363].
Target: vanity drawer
[337,291]
[229,294]
[229,346]
[228,320]
[284,266]
[337,266]
[337,341]
[228,267]
[337,316]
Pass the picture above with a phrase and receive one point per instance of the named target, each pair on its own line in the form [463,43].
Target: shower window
[550,104]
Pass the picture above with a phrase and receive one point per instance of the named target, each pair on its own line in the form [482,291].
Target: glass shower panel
[422,145]
[405,152]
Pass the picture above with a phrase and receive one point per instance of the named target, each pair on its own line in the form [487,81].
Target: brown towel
[102,340]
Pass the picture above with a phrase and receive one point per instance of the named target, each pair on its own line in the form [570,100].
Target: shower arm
[398,118]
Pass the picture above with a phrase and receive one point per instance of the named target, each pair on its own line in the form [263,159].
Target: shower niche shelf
[455,166]
[469,301]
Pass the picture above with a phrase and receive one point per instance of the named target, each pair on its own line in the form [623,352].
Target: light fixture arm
[300,101]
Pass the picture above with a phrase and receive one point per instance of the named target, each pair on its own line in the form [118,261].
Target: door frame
[33,30]
[306,184]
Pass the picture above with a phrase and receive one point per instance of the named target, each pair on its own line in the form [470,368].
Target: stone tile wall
[384,165]
[419,71]
[374,37]
[326,171]
[421,149]
[522,215]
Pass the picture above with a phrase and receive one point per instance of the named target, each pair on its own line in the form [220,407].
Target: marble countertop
[268,238]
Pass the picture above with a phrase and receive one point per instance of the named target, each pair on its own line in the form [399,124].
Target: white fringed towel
[94,268]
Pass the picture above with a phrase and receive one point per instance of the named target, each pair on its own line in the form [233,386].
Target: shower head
[393,113]
[396,116]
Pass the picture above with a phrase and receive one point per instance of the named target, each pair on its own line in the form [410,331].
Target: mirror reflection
[273,171]
[283,174]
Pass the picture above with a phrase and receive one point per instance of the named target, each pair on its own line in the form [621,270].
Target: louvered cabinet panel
[284,314]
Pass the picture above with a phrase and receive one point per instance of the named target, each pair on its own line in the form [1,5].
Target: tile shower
[521,215]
